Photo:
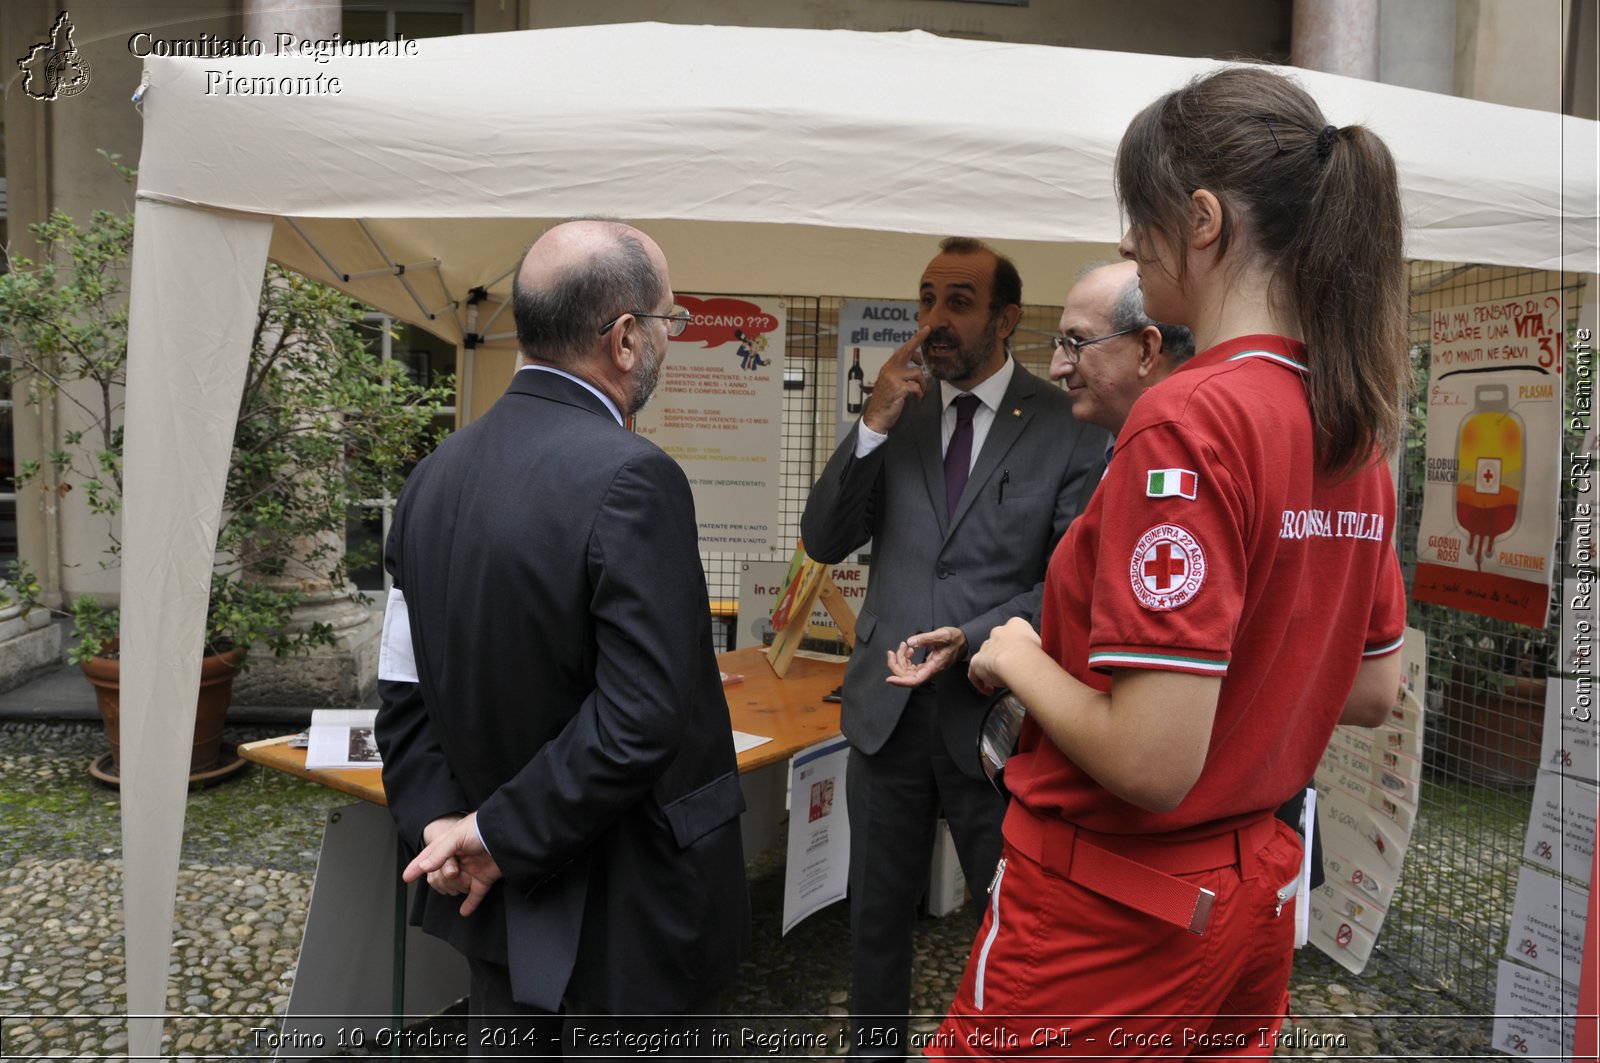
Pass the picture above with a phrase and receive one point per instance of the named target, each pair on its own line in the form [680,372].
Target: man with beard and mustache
[554,733]
[963,483]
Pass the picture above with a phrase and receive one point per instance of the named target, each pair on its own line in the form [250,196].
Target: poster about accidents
[1486,542]
[719,412]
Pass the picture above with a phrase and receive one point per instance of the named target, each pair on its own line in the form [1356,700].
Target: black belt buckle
[997,739]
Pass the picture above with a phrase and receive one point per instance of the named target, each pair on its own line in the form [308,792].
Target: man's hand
[945,646]
[455,861]
[988,668]
[899,381]
[448,879]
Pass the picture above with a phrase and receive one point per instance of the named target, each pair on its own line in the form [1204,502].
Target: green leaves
[323,425]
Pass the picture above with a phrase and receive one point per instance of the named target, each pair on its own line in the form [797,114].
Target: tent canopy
[763,161]
[801,162]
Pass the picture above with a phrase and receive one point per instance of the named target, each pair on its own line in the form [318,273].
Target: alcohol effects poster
[870,330]
[1486,542]
[719,413]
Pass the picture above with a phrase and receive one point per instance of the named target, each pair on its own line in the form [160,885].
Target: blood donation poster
[870,330]
[1486,541]
[719,412]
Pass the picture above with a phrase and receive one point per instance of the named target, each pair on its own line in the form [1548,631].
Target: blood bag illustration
[1489,464]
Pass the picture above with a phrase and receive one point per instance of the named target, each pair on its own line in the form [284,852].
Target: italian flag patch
[1171,483]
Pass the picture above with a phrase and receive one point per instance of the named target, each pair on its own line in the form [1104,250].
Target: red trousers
[1062,970]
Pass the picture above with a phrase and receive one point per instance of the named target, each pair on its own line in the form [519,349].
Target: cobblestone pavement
[249,855]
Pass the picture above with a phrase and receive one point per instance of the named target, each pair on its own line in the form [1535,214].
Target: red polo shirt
[1213,546]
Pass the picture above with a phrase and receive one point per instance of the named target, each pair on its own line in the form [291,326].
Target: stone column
[1336,37]
[30,644]
[338,675]
[344,673]
[1417,45]
[306,19]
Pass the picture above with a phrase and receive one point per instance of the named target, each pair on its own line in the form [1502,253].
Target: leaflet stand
[808,581]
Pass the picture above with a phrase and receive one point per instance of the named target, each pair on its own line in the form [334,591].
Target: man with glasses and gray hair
[1109,352]
[555,738]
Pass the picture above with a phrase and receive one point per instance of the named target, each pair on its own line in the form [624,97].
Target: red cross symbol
[1488,474]
[1163,566]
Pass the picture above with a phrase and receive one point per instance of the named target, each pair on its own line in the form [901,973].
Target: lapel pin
[1016,411]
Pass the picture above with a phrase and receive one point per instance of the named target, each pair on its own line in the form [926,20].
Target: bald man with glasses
[554,733]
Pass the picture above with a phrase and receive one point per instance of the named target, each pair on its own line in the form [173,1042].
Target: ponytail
[1349,293]
[1323,205]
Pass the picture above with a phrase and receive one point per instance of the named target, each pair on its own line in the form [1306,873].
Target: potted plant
[1493,696]
[322,425]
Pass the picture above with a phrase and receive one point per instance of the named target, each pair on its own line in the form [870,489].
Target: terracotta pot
[216,693]
[1494,739]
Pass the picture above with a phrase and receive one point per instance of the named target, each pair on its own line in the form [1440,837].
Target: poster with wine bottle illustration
[1486,542]
[870,330]
[719,413]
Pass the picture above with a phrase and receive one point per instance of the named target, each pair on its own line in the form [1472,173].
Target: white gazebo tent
[764,161]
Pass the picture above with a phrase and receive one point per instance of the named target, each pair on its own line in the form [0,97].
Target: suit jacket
[569,693]
[974,570]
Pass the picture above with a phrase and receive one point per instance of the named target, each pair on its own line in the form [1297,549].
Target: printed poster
[1533,1013]
[1486,542]
[817,868]
[1547,924]
[1561,826]
[719,412]
[1367,794]
[870,330]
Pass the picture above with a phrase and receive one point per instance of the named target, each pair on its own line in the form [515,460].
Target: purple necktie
[958,455]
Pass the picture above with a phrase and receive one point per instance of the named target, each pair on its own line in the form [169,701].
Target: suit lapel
[928,413]
[1009,420]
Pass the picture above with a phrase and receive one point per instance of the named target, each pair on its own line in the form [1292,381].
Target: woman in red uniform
[1229,595]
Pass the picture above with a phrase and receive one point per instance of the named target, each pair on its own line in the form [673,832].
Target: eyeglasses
[1072,349]
[677,320]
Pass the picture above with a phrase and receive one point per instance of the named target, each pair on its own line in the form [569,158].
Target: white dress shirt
[989,393]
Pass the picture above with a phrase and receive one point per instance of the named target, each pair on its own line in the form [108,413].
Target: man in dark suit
[963,483]
[555,737]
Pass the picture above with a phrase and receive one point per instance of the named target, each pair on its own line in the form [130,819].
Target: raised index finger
[910,354]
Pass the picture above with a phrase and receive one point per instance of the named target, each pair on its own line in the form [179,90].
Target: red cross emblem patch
[1488,478]
[1168,567]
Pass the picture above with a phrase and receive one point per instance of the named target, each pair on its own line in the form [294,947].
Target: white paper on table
[342,738]
[742,742]
[817,870]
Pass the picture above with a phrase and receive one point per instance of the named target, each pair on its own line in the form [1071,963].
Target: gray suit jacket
[974,570]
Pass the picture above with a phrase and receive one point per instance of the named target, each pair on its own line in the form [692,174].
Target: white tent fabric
[764,161]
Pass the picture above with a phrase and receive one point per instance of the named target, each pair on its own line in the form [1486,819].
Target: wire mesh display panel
[1484,708]
[808,404]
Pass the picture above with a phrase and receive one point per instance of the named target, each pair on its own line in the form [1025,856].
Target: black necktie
[958,455]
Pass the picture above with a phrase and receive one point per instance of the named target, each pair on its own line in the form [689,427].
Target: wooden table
[360,961]
[790,711]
